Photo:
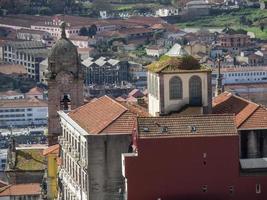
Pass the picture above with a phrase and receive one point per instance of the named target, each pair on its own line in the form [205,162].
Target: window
[195,91]
[258,188]
[175,88]
[204,188]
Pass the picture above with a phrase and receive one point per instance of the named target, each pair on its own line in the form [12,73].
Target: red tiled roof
[248,114]
[181,126]
[96,115]
[51,150]
[35,91]
[3,184]
[21,189]
[258,119]
[10,93]
[12,69]
[22,103]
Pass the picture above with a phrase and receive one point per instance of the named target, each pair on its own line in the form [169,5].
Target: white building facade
[23,112]
[237,75]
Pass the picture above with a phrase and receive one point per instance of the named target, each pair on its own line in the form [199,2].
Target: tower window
[176,88]
[65,102]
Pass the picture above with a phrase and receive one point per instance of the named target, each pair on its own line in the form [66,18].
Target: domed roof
[167,63]
[64,54]
[63,48]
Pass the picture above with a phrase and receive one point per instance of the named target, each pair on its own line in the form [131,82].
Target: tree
[92,30]
[262,27]
[83,31]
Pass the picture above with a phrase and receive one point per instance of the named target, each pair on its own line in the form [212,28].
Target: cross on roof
[63,26]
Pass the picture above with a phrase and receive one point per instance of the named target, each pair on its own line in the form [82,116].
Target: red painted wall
[175,169]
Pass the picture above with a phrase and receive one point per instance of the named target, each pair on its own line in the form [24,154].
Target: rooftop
[10,93]
[22,103]
[176,64]
[29,160]
[21,189]
[187,126]
[249,115]
[104,115]
[26,44]
[35,91]
[54,149]
[12,69]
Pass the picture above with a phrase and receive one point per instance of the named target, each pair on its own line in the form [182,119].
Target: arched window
[176,88]
[195,91]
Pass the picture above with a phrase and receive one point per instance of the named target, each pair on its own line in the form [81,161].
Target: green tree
[83,31]
[92,30]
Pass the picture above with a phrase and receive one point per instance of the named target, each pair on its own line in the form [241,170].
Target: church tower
[65,83]
[179,84]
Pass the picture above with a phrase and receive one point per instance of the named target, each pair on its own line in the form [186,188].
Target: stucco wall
[178,168]
[174,105]
[104,165]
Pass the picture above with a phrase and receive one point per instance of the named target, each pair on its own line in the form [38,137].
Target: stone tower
[65,83]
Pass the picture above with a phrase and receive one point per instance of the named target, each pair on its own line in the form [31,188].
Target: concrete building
[178,82]
[155,51]
[65,83]
[35,35]
[165,12]
[105,71]
[23,112]
[26,53]
[94,136]
[35,92]
[53,162]
[197,8]
[241,75]
[31,191]
[3,159]
[11,95]
[206,165]
[251,125]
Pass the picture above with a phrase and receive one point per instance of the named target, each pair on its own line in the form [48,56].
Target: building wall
[175,105]
[181,168]
[24,116]
[52,175]
[30,62]
[153,94]
[18,96]
[104,165]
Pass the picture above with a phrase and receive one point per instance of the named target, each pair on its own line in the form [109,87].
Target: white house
[155,51]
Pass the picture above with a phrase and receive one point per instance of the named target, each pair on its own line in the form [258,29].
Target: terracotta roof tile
[22,103]
[189,125]
[97,115]
[35,91]
[54,149]
[12,69]
[257,120]
[21,189]
[229,103]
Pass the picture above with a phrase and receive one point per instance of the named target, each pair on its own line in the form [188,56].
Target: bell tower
[65,83]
